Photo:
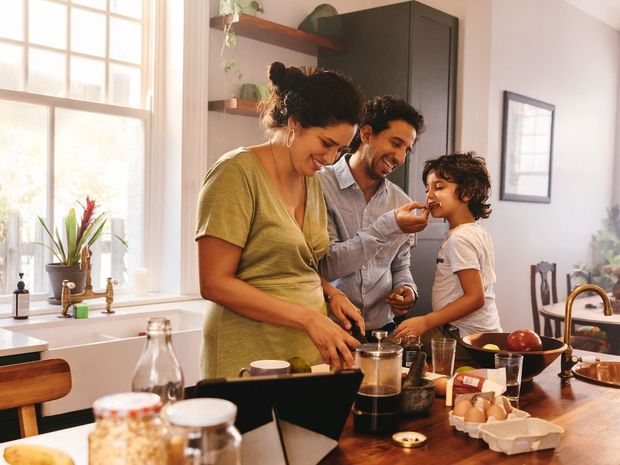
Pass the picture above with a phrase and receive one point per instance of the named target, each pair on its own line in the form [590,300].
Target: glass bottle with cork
[158,369]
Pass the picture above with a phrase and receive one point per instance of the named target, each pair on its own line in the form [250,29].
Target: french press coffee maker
[377,402]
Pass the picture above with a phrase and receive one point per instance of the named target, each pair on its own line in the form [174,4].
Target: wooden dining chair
[24,385]
[547,293]
[577,278]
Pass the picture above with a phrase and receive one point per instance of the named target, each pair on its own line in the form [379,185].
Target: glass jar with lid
[377,403]
[203,432]
[128,431]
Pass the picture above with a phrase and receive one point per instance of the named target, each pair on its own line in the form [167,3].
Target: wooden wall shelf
[276,34]
[234,106]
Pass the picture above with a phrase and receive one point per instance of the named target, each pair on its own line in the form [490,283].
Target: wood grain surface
[589,413]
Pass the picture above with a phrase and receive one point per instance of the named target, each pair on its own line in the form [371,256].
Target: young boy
[457,188]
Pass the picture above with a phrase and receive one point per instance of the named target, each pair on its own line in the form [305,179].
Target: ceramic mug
[266,367]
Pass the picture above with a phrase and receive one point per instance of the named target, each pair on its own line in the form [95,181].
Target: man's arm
[346,257]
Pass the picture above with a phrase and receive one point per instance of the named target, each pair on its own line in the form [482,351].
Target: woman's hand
[333,342]
[401,300]
[345,311]
[416,326]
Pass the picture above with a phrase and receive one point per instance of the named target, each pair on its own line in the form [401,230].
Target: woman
[261,231]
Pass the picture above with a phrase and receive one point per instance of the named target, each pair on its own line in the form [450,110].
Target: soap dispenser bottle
[21,300]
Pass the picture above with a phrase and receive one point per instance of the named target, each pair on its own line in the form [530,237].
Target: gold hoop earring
[289,141]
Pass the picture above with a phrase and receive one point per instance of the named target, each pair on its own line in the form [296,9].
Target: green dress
[239,203]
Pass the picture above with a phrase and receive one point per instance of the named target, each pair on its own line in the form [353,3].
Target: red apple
[524,340]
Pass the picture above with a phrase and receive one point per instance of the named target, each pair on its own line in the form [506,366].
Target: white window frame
[146,62]
[52,103]
[150,34]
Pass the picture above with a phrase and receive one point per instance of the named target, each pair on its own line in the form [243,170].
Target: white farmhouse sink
[103,350]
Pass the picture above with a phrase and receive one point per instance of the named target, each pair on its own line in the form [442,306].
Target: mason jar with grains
[203,432]
[128,431]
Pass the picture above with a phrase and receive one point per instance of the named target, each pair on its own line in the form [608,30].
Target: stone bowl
[534,362]
[415,400]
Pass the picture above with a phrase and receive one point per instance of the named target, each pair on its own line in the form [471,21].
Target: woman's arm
[218,262]
[471,300]
[341,307]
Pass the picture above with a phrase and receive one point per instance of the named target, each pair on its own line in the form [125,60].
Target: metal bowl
[533,362]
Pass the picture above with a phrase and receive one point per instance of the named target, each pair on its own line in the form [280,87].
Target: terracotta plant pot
[58,272]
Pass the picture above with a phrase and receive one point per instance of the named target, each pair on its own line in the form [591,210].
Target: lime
[463,369]
[299,365]
[490,347]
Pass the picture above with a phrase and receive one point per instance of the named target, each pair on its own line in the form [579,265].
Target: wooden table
[589,316]
[590,415]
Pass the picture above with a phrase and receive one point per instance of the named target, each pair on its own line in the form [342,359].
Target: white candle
[141,281]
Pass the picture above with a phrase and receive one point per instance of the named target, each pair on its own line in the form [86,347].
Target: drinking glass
[443,352]
[514,368]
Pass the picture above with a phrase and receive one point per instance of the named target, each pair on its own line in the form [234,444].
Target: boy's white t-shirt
[467,246]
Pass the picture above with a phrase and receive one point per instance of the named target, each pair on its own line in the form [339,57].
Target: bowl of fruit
[538,351]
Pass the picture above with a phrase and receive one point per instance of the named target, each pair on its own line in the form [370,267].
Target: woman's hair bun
[284,78]
[277,73]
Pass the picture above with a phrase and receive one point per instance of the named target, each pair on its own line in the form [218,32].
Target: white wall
[545,50]
[553,52]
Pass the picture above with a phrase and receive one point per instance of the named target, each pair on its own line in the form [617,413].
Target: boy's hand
[409,223]
[401,300]
[416,325]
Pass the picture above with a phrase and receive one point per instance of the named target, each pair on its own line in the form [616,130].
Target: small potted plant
[67,251]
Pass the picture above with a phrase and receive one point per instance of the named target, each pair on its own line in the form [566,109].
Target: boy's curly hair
[469,172]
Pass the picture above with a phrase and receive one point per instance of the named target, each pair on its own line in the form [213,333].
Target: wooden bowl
[533,362]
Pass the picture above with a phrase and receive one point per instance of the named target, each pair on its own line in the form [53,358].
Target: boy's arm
[471,300]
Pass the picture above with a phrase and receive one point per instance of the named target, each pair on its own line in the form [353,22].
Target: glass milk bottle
[158,369]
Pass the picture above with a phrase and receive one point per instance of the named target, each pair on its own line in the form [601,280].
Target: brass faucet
[66,298]
[568,361]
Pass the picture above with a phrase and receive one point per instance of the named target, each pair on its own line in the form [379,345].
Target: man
[370,219]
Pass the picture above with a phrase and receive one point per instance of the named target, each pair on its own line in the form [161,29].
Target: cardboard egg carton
[521,435]
[473,429]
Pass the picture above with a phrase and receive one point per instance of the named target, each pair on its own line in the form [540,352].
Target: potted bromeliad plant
[66,251]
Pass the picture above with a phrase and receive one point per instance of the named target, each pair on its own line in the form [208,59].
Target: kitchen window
[75,86]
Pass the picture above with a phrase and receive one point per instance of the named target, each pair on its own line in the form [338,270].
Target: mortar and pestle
[417,394]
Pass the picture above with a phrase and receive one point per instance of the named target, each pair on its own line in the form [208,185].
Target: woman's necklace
[283,190]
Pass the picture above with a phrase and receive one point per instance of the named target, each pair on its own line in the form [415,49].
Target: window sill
[42,307]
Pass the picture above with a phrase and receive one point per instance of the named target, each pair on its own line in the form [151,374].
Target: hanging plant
[235,8]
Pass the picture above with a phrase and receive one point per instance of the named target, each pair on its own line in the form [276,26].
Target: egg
[504,402]
[496,411]
[440,386]
[475,415]
[461,408]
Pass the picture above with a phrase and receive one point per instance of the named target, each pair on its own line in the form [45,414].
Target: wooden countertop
[589,413]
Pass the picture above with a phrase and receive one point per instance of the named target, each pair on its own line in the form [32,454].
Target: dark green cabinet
[407,50]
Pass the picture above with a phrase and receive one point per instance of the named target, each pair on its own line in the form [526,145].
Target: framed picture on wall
[527,147]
